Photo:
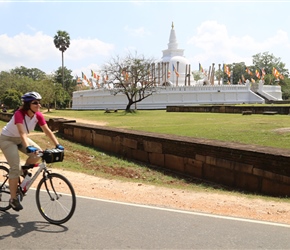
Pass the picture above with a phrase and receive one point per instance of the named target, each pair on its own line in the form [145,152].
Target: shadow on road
[19,229]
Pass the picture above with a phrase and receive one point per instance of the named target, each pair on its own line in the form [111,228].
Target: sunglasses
[35,103]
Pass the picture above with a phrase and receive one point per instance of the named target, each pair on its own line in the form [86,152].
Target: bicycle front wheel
[4,189]
[55,198]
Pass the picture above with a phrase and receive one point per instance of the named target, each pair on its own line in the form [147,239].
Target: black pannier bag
[53,155]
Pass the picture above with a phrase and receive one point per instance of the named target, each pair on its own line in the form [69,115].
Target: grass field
[264,130]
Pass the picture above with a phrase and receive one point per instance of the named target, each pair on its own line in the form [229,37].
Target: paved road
[99,224]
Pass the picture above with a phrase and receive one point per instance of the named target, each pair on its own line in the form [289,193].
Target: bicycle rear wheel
[55,198]
[4,189]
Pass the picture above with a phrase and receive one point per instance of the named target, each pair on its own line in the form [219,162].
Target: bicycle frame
[41,166]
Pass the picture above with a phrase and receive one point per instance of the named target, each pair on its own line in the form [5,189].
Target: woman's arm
[49,133]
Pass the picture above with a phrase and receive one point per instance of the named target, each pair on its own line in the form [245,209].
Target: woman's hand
[31,149]
[58,146]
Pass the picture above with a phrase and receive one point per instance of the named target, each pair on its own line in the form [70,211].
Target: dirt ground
[219,204]
[207,202]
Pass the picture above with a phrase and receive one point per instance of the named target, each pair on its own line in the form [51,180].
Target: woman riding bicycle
[14,138]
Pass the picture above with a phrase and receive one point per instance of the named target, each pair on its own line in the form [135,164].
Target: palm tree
[62,41]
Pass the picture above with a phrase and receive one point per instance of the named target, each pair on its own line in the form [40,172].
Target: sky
[220,32]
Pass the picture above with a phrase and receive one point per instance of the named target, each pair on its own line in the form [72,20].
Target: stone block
[130,143]
[193,167]
[174,162]
[154,147]
[200,157]
[242,167]
[275,188]
[156,159]
[223,163]
[140,155]
[247,182]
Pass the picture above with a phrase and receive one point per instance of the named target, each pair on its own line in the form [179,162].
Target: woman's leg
[9,148]
[32,157]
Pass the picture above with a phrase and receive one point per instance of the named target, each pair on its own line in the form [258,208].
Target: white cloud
[216,45]
[138,32]
[86,48]
[26,47]
[39,51]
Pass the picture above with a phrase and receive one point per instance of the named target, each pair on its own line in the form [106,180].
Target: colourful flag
[276,73]
[79,80]
[175,71]
[258,74]
[201,68]
[94,75]
[227,70]
[249,71]
[84,77]
[263,73]
[243,79]
[87,79]
[90,83]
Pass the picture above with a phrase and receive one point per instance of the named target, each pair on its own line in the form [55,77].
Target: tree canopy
[18,81]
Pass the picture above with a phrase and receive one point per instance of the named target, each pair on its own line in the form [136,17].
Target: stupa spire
[172,49]
[172,39]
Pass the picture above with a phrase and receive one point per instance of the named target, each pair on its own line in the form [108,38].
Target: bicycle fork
[47,177]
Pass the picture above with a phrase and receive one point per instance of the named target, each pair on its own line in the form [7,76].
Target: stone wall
[275,109]
[252,168]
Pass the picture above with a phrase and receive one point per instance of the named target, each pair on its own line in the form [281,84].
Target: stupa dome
[181,61]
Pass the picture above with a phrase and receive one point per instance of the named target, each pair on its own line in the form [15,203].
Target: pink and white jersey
[11,129]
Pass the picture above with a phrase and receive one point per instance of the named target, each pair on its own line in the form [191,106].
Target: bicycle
[55,195]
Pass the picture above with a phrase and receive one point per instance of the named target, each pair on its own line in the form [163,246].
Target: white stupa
[176,60]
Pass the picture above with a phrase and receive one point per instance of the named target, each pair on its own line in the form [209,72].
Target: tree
[11,98]
[62,42]
[132,76]
[69,83]
[267,61]
[47,91]
[197,75]
[33,73]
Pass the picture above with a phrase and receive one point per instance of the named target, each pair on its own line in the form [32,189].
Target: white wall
[183,95]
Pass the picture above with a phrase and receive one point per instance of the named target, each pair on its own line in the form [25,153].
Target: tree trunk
[128,107]
[62,69]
